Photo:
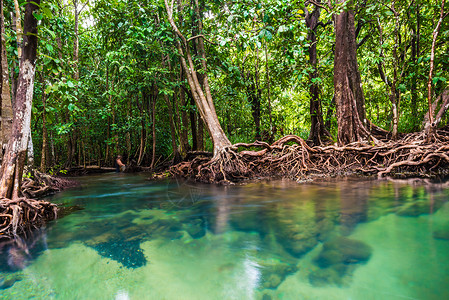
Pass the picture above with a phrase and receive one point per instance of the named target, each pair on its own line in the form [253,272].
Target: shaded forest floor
[291,157]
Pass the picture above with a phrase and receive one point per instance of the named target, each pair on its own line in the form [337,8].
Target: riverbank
[291,157]
[25,213]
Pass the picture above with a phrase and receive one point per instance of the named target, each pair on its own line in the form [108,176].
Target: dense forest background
[109,79]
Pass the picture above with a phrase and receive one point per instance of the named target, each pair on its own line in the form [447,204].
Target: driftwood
[291,157]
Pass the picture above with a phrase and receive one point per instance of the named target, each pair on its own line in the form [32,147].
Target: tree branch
[318,4]
[322,25]
[359,44]
[198,36]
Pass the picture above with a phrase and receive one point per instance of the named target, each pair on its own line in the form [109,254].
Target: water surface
[130,238]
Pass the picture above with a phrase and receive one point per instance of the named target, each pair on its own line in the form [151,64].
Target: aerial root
[22,215]
[291,157]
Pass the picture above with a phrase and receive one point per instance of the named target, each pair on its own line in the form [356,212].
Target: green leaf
[49,47]
[70,84]
[38,16]
[47,12]
[268,35]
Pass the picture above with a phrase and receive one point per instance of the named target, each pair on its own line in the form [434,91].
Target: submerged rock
[343,250]
[297,239]
[414,209]
[442,232]
[195,228]
[322,277]
[6,283]
[274,273]
[337,260]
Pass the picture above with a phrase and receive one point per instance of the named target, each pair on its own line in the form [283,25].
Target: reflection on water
[268,240]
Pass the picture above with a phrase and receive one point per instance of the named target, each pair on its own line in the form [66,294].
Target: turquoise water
[129,238]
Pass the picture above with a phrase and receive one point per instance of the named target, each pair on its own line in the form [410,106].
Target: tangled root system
[291,157]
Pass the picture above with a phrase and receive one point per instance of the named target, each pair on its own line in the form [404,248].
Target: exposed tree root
[291,157]
[17,217]
[39,184]
[21,216]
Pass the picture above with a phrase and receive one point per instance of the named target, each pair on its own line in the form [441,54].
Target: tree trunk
[142,129]
[76,39]
[431,126]
[253,93]
[185,147]
[193,127]
[6,107]
[347,82]
[13,77]
[270,115]
[201,92]
[44,155]
[30,152]
[317,129]
[18,24]
[413,88]
[200,133]
[14,159]
[153,125]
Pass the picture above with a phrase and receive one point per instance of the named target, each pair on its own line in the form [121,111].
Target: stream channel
[130,238]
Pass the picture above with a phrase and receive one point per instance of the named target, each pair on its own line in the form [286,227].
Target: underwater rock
[322,277]
[324,227]
[275,272]
[337,259]
[195,228]
[343,250]
[442,232]
[298,239]
[266,297]
[414,209]
[249,222]
[10,281]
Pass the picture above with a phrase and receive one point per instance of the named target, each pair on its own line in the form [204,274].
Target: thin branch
[322,25]
[365,38]
[198,36]
[326,8]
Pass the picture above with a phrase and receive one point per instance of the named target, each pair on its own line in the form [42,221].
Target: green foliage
[128,55]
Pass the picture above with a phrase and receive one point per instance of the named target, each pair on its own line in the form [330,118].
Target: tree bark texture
[6,106]
[347,82]
[14,160]
[430,127]
[317,129]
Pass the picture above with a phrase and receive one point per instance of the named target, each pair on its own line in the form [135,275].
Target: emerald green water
[136,239]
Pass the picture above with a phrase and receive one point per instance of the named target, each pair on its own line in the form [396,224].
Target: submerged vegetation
[221,91]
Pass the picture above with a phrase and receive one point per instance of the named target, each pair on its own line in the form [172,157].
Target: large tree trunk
[200,91]
[347,82]
[431,124]
[6,107]
[317,129]
[14,159]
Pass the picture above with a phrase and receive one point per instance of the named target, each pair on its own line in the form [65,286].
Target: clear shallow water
[135,239]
